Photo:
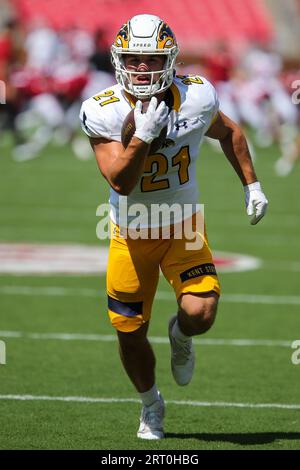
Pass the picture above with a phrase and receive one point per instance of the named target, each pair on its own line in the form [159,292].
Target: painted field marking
[153,339]
[53,291]
[221,404]
[72,259]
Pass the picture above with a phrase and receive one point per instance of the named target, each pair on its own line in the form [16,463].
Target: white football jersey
[170,174]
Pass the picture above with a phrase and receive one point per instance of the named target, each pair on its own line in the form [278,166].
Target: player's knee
[201,312]
[206,320]
[203,319]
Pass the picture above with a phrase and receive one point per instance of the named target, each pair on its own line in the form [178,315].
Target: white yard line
[51,291]
[220,404]
[54,291]
[153,339]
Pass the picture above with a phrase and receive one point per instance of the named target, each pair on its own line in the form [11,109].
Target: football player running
[144,55]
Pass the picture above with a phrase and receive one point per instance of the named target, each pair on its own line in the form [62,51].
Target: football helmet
[145,34]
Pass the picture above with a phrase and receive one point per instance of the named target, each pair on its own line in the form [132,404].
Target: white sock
[177,333]
[149,397]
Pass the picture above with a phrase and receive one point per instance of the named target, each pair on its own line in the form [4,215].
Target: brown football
[128,129]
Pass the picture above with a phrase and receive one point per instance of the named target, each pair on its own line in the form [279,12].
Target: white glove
[149,125]
[256,201]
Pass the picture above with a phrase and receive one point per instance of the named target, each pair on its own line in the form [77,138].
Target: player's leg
[131,284]
[139,362]
[193,276]
[196,314]
[138,358]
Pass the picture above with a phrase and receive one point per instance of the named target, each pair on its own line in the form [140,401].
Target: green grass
[53,199]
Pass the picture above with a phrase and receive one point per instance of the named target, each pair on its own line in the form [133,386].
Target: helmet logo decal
[122,38]
[165,37]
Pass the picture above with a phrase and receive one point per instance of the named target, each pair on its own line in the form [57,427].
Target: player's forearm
[129,166]
[235,148]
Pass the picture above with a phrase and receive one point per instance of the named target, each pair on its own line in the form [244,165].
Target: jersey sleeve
[215,104]
[92,122]
[211,104]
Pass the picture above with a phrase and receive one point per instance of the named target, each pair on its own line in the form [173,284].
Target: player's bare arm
[120,167]
[234,145]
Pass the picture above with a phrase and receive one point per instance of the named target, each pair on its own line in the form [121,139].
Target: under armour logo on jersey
[182,124]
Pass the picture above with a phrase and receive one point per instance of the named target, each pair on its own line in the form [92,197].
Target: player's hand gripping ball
[129,128]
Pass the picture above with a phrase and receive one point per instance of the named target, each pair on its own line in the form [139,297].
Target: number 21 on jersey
[109,95]
[152,182]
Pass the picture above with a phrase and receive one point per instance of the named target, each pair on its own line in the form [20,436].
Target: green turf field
[53,199]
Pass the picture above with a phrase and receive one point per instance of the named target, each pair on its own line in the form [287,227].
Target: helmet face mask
[145,35]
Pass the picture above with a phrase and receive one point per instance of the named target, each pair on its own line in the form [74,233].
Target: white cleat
[182,357]
[151,420]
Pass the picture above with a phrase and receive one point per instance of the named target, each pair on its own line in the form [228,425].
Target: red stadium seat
[231,20]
